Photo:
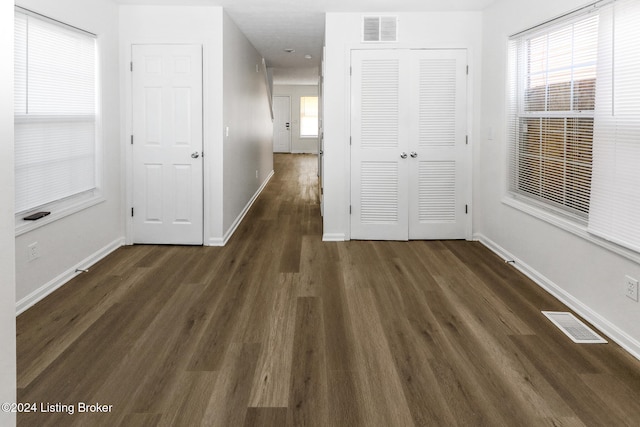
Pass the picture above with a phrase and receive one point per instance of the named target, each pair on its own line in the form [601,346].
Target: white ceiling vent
[379,28]
[572,327]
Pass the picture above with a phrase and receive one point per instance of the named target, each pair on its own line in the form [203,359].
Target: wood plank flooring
[281,329]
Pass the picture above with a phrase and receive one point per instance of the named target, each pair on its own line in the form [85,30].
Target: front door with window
[281,124]
[167,144]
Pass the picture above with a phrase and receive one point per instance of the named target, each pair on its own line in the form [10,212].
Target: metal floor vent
[574,328]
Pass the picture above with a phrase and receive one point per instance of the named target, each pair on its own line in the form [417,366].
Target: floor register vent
[574,328]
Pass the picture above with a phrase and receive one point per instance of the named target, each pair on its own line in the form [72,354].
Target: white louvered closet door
[409,159]
[438,174]
[379,192]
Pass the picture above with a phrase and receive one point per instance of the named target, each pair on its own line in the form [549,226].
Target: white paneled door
[281,124]
[167,144]
[409,153]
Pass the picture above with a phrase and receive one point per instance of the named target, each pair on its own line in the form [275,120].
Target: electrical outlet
[631,288]
[33,251]
[256,174]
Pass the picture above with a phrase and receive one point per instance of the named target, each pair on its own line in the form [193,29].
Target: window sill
[571,226]
[58,211]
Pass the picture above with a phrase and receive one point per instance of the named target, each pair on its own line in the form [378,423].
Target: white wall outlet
[631,288]
[33,251]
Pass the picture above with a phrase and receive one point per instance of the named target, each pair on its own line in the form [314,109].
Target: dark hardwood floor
[278,328]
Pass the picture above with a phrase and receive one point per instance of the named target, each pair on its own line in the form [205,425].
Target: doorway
[167,144]
[281,124]
[409,154]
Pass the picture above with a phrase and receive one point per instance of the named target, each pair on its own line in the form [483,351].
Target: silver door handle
[195,155]
[403,155]
[414,154]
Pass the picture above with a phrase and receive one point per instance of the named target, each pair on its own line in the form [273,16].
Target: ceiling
[275,25]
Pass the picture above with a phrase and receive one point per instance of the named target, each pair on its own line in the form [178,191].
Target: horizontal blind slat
[55,112]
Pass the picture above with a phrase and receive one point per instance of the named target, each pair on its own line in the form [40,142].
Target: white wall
[189,25]
[7,233]
[583,274]
[416,30]
[235,97]
[248,147]
[298,145]
[78,239]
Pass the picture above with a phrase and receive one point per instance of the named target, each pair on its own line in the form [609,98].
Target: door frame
[469,125]
[127,148]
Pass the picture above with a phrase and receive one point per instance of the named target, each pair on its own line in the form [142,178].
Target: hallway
[279,328]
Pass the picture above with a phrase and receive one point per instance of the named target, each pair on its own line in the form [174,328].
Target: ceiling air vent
[379,28]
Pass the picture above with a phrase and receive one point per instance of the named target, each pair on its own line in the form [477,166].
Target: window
[574,119]
[55,112]
[615,190]
[552,122]
[309,117]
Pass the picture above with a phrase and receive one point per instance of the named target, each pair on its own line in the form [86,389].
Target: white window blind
[309,116]
[55,111]
[552,91]
[615,191]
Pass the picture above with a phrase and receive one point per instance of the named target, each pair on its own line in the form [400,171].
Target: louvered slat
[437,118]
[380,103]
[437,192]
[379,192]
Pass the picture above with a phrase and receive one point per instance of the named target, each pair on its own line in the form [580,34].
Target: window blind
[552,91]
[55,111]
[615,192]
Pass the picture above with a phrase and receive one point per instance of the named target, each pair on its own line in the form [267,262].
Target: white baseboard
[333,237]
[40,293]
[236,223]
[623,339]
[216,241]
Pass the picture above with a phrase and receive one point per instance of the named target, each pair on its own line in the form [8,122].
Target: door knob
[414,154]
[195,155]
[403,155]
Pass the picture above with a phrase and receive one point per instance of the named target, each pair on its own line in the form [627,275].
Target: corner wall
[7,227]
[586,276]
[415,30]
[298,144]
[248,129]
[83,237]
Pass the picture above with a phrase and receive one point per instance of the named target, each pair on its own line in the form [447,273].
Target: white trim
[45,290]
[334,237]
[221,242]
[567,224]
[60,209]
[623,339]
[215,241]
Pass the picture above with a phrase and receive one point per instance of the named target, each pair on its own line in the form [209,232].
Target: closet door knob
[414,154]
[403,155]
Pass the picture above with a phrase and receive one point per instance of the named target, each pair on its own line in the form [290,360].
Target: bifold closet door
[439,168]
[408,152]
[379,135]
